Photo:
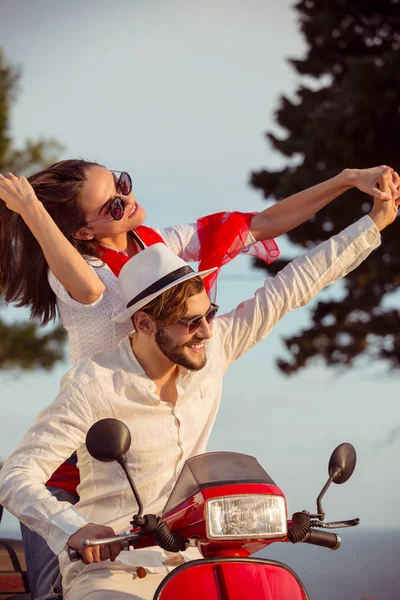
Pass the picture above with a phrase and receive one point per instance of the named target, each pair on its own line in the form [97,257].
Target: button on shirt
[113,384]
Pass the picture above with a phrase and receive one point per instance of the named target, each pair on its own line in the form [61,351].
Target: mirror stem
[321,514]
[124,464]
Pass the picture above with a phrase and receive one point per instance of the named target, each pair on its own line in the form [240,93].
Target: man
[164,382]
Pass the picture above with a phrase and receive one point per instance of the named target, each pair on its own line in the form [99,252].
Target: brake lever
[125,537]
[335,524]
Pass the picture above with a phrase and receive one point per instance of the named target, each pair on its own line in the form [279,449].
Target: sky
[179,94]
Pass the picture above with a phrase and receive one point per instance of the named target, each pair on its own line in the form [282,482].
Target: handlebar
[315,537]
[326,539]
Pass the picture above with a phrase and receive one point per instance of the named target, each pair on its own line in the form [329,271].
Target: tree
[346,113]
[24,345]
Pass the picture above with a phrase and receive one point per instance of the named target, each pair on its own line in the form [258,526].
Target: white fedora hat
[150,273]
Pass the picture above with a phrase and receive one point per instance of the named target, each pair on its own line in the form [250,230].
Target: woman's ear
[144,323]
[84,233]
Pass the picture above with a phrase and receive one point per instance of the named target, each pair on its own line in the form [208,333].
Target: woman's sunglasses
[116,208]
[193,324]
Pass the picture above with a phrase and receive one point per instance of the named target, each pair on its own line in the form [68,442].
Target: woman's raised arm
[296,209]
[70,268]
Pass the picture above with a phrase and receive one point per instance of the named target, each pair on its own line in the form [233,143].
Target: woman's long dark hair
[23,267]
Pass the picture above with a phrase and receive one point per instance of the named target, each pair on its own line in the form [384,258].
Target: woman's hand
[366,181]
[17,193]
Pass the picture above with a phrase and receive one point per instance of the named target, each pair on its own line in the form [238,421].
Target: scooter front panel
[232,579]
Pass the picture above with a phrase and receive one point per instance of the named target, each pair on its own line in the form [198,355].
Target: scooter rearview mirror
[108,440]
[342,463]
[341,466]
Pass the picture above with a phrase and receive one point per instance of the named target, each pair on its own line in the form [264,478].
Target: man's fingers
[91,555]
[383,185]
[393,192]
[96,553]
[380,195]
[115,549]
[105,552]
[391,186]
[396,183]
[87,556]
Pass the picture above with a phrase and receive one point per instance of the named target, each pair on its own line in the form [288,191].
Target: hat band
[161,283]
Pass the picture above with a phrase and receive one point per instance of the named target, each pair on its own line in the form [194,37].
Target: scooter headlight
[246,516]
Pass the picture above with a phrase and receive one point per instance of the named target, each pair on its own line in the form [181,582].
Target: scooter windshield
[213,469]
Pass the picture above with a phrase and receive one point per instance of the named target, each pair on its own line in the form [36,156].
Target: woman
[75,216]
[76,223]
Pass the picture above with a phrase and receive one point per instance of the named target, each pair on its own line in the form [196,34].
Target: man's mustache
[195,341]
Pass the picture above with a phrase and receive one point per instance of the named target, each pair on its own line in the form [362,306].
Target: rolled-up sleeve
[293,287]
[59,430]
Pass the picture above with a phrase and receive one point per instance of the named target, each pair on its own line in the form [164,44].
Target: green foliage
[21,346]
[346,113]
[24,346]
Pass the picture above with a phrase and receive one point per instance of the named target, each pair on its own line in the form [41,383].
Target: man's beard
[176,354]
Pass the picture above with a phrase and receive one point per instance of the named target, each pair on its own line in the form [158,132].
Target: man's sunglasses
[116,208]
[193,324]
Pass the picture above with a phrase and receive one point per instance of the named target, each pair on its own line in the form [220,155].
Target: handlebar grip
[73,555]
[326,539]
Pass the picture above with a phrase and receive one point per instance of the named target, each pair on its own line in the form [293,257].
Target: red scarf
[222,237]
[115,260]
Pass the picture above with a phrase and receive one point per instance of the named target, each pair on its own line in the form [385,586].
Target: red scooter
[227,505]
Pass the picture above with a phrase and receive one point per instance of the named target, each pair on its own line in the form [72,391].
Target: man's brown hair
[171,305]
